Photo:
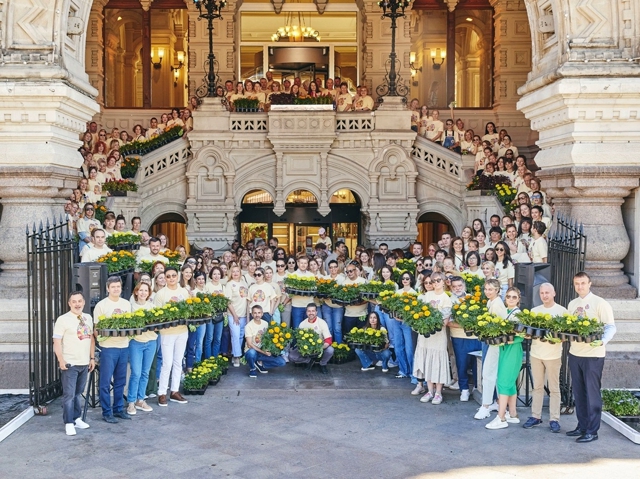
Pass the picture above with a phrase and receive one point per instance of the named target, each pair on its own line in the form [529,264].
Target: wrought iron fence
[567,249]
[51,253]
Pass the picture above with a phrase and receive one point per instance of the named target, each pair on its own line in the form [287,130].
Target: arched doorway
[431,227]
[174,227]
[297,230]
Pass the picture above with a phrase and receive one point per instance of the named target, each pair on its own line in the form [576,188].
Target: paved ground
[294,424]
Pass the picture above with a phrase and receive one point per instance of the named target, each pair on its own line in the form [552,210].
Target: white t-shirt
[591,306]
[237,293]
[344,102]
[302,301]
[364,103]
[357,310]
[505,274]
[254,332]
[91,253]
[108,308]
[76,338]
[538,250]
[319,326]
[166,295]
[433,128]
[261,294]
[544,350]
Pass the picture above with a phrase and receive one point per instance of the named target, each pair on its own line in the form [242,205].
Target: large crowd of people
[252,277]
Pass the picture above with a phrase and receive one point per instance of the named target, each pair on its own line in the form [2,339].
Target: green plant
[119,185]
[490,326]
[583,326]
[276,338]
[377,286]
[466,312]
[368,336]
[129,166]
[301,283]
[147,146]
[318,100]
[243,104]
[405,265]
[620,402]
[473,283]
[346,293]
[341,350]
[325,286]
[119,238]
[308,342]
[118,261]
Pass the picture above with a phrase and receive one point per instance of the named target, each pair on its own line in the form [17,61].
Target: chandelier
[295,32]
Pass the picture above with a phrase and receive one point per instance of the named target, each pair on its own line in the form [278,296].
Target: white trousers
[173,347]
[490,374]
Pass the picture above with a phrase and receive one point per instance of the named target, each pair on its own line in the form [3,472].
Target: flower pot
[199,391]
[519,327]
[107,333]
[217,318]
[368,295]
[213,382]
[468,333]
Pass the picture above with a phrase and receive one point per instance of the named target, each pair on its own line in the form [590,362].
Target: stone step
[20,338]
[13,310]
[625,310]
[10,327]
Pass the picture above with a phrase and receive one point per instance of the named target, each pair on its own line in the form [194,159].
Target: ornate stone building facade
[562,76]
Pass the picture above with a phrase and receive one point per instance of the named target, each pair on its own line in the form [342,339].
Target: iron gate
[567,249]
[51,253]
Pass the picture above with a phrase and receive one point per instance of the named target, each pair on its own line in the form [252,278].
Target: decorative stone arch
[210,176]
[150,213]
[392,175]
[247,188]
[307,185]
[351,175]
[354,186]
[450,212]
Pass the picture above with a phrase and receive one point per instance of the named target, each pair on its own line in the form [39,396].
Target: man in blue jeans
[299,303]
[462,344]
[258,359]
[114,354]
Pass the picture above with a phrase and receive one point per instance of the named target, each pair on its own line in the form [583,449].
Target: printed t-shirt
[166,295]
[255,332]
[106,308]
[75,336]
[544,350]
[591,306]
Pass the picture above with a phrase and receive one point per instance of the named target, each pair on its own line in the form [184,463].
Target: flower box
[328,107]
[118,193]
[217,318]
[213,382]
[497,340]
[299,292]
[368,295]
[358,300]
[622,402]
[194,392]
[198,321]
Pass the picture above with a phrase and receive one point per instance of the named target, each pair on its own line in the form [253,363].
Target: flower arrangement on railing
[506,194]
[373,288]
[147,146]
[317,100]
[123,239]
[117,186]
[129,166]
[300,285]
[276,338]
[484,182]
[346,294]
[118,261]
[308,342]
[282,99]
[367,338]
[246,105]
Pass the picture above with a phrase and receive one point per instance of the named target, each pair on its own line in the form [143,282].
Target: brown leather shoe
[162,400]
[177,397]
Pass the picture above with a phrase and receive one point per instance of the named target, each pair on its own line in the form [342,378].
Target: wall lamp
[437,52]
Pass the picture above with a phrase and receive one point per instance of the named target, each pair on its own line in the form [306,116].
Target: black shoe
[587,438]
[122,415]
[260,368]
[577,432]
[324,370]
[110,419]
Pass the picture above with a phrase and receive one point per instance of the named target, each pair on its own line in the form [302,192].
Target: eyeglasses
[499,249]
[89,209]
[428,282]
[281,265]
[170,276]
[439,280]
[512,296]
[291,262]
[406,279]
[351,271]
[257,275]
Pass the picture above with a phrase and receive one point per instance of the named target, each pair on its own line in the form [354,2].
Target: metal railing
[567,250]
[51,253]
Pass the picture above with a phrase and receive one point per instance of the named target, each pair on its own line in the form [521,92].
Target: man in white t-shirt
[435,127]
[344,101]
[155,246]
[257,359]
[114,353]
[323,238]
[96,248]
[74,347]
[546,357]
[173,341]
[364,101]
[586,360]
[319,326]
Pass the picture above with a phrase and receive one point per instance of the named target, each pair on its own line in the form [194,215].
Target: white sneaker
[493,406]
[370,368]
[70,429]
[483,413]
[453,385]
[497,423]
[80,424]
[236,362]
[418,390]
[378,364]
[511,420]
[391,364]
[427,397]
[464,395]
[437,399]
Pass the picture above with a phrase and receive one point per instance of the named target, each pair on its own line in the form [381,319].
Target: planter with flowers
[324,287]
[406,307]
[536,325]
[118,262]
[121,240]
[346,294]
[570,327]
[406,265]
[148,145]
[342,353]
[367,338]
[372,289]
[129,167]
[119,187]
[621,410]
[100,212]
[276,338]
[308,343]
[172,256]
[467,311]
[494,330]
[246,105]
[300,285]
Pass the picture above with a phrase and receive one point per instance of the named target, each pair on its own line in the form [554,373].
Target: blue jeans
[390,324]
[297,316]
[367,358]
[212,339]
[74,379]
[404,348]
[462,348]
[251,355]
[194,346]
[113,364]
[333,317]
[237,335]
[140,357]
[350,322]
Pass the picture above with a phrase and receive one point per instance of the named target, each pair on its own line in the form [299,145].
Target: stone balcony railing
[352,122]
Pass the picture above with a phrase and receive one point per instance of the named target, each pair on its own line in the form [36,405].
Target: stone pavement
[298,424]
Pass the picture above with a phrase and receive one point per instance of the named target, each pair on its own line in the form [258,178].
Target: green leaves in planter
[620,402]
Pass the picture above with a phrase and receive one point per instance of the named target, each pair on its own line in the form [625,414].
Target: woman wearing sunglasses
[504,267]
[431,360]
[403,336]
[509,364]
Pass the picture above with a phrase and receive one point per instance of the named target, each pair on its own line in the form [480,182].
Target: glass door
[306,238]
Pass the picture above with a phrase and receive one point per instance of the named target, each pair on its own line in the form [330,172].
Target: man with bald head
[546,357]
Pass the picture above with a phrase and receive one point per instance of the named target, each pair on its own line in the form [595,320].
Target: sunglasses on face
[351,271]
[291,262]
[406,279]
[512,296]
[499,249]
[439,280]
[258,275]
[428,283]
[280,266]
[170,276]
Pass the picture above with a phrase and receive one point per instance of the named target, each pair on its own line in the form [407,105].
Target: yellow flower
[407,308]
[284,325]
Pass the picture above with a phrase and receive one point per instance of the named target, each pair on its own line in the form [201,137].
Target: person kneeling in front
[320,327]
[74,346]
[257,359]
